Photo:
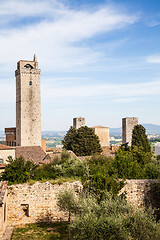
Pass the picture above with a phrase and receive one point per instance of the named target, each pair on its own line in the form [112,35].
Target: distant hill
[53,133]
[150,129]
[115,131]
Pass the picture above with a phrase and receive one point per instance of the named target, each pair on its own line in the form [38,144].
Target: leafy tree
[67,202]
[127,163]
[82,141]
[112,218]
[139,138]
[18,170]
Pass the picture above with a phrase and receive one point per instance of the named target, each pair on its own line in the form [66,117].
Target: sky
[100,59]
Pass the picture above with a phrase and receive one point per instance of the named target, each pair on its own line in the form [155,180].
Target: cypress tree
[139,138]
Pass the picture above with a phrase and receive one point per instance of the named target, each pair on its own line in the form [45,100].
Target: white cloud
[153,59]
[57,38]
[117,92]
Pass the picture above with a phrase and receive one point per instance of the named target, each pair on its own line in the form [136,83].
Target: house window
[1,160]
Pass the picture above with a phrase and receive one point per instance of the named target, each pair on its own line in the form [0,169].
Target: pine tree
[82,141]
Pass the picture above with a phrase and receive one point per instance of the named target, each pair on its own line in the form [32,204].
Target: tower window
[30,83]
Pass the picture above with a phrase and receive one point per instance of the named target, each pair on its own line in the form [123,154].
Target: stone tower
[103,134]
[78,122]
[28,103]
[128,124]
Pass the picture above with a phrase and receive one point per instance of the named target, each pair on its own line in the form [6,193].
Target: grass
[41,231]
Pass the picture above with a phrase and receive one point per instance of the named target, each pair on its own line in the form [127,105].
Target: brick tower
[28,103]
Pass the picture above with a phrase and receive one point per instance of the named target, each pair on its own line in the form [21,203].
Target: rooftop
[99,127]
[32,153]
[4,147]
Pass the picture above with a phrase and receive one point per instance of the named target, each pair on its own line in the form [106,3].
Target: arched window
[28,66]
[30,83]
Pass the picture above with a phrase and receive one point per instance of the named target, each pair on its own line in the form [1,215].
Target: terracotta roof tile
[4,147]
[32,153]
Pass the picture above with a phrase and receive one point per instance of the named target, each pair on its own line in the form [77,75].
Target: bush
[112,218]
[18,171]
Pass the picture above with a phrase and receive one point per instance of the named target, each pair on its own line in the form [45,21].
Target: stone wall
[31,203]
[3,207]
[143,193]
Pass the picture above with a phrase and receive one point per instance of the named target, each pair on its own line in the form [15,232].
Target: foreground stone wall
[143,193]
[3,207]
[31,203]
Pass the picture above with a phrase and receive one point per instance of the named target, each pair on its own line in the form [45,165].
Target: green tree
[112,218]
[139,138]
[18,170]
[82,141]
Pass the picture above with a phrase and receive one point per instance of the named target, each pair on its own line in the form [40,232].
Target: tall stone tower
[78,122]
[128,124]
[28,103]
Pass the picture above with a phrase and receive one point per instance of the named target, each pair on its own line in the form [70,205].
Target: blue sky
[99,59]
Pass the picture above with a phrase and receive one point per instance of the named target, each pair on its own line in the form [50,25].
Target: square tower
[103,134]
[128,124]
[28,103]
[78,122]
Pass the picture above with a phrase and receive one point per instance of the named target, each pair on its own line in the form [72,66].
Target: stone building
[78,122]
[5,152]
[28,103]
[128,124]
[10,136]
[103,134]
[3,207]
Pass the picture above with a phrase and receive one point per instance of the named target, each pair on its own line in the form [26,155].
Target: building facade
[28,103]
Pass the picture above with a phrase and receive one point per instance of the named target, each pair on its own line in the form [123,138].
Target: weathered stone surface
[78,122]
[40,199]
[128,124]
[3,207]
[103,134]
[28,104]
[142,192]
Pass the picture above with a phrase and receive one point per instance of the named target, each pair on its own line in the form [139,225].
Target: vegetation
[18,171]
[98,212]
[111,218]
[82,141]
[139,138]
[21,171]
[41,231]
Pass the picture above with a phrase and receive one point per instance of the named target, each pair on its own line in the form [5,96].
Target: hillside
[150,129]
